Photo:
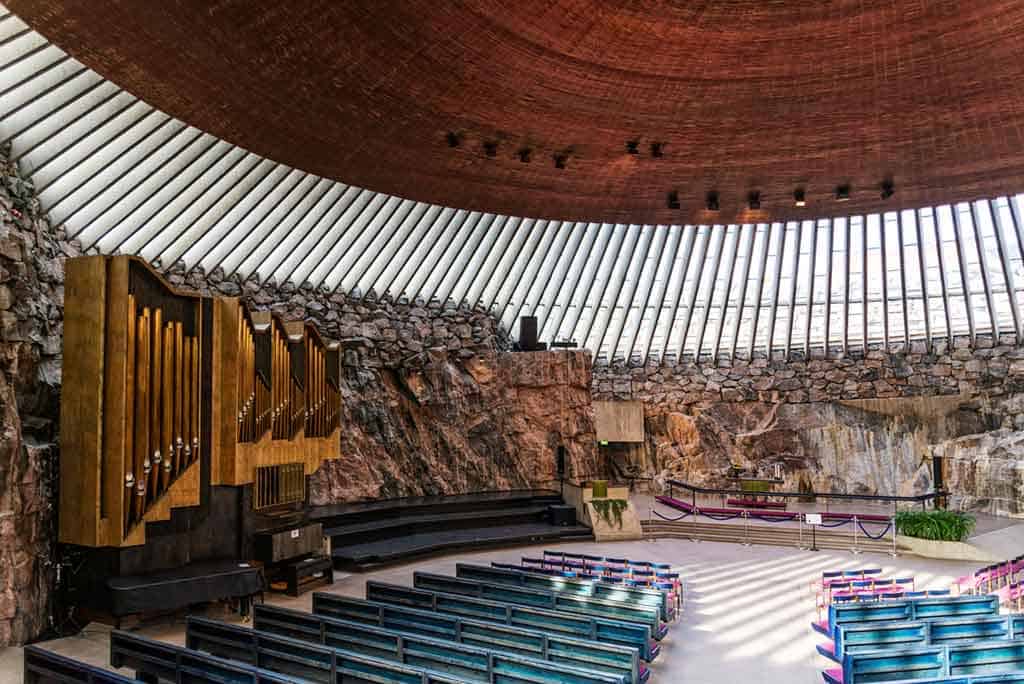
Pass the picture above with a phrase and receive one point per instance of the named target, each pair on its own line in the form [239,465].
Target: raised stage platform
[379,532]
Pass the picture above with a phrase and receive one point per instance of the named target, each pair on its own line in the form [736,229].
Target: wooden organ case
[276,405]
[189,425]
[131,405]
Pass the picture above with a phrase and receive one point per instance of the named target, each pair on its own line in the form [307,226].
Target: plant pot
[599,489]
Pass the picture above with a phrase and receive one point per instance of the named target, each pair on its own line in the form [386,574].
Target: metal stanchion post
[746,529]
[893,553]
[693,528]
[800,521]
[854,550]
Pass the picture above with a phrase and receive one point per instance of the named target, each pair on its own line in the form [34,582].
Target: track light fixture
[633,146]
[799,197]
[453,138]
[673,199]
[842,192]
[888,188]
[491,148]
[657,149]
[524,154]
[754,199]
[711,202]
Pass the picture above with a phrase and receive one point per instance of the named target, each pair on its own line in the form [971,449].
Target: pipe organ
[168,396]
[279,382]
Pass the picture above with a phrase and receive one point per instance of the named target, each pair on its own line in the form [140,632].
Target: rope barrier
[775,519]
[720,518]
[665,517]
[867,534]
[838,524]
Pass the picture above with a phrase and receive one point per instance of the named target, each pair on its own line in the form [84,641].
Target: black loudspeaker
[938,481]
[560,461]
[561,515]
[528,332]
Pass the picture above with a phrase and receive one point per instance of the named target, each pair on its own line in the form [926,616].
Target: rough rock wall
[856,425]
[31,315]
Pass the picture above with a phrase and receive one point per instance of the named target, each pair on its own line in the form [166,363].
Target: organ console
[168,394]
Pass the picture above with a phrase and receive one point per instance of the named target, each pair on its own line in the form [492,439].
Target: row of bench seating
[539,598]
[909,610]
[599,629]
[879,636]
[600,590]
[558,650]
[935,662]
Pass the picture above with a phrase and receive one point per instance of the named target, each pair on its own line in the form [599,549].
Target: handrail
[920,498]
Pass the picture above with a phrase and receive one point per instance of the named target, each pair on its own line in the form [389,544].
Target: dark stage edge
[397,549]
[432,503]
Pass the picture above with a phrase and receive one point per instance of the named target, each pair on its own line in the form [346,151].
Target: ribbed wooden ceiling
[743,95]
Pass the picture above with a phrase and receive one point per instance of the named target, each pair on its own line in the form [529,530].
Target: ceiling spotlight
[633,146]
[491,148]
[888,189]
[673,199]
[656,149]
[712,201]
[842,193]
[799,197]
[560,160]
[754,200]
[454,140]
[524,154]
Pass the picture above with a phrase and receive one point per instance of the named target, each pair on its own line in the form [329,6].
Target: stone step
[761,535]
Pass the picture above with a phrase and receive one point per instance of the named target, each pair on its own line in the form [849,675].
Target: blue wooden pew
[315,661]
[619,660]
[565,585]
[907,611]
[46,667]
[930,662]
[873,636]
[549,621]
[539,598]
[154,661]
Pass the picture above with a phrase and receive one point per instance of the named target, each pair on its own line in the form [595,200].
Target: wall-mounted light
[711,201]
[453,138]
[524,154]
[799,197]
[842,193]
[491,148]
[754,199]
[633,146]
[657,149]
[673,199]
[561,159]
[887,188]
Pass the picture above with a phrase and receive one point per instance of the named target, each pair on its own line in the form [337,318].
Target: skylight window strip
[140,224]
[469,259]
[595,304]
[741,301]
[663,263]
[478,286]
[760,290]
[963,274]
[427,260]
[1004,262]
[730,272]
[285,173]
[537,254]
[379,243]
[343,262]
[780,250]
[521,238]
[606,234]
[983,264]
[423,227]
[547,301]
[709,296]
[593,231]
[690,238]
[621,268]
[458,242]
[358,195]
[630,285]
[552,232]
[698,271]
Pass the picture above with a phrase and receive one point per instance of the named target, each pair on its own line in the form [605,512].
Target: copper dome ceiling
[742,95]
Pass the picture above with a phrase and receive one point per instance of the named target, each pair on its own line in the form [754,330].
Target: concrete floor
[746,617]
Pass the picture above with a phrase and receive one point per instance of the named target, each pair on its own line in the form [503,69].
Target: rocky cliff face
[845,425]
[443,426]
[31,300]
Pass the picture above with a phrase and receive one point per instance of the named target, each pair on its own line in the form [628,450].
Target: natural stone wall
[31,300]
[854,425]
